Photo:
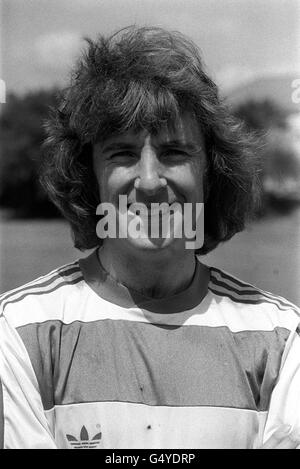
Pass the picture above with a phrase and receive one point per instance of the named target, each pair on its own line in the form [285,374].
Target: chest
[165,366]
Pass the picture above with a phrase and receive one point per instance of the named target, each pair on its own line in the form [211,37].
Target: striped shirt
[87,363]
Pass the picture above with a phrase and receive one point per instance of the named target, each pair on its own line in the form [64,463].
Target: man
[140,345]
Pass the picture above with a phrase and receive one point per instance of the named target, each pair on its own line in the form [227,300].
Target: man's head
[161,171]
[143,81]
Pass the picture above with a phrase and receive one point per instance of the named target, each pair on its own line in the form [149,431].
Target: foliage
[261,115]
[280,174]
[21,136]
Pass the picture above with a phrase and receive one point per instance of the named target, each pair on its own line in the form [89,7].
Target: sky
[239,39]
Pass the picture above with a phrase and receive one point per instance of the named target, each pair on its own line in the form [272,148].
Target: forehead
[186,130]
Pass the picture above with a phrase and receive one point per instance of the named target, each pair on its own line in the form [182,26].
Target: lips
[153,209]
[149,204]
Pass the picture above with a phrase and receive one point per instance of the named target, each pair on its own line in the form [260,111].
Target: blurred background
[251,48]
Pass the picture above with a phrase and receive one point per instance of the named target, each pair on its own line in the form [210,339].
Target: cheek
[191,180]
[199,169]
[101,172]
[110,181]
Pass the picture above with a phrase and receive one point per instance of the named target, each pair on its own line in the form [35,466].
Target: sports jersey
[87,363]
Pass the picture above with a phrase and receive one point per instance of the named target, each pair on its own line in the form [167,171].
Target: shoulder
[253,302]
[25,303]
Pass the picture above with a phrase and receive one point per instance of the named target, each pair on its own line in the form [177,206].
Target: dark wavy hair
[144,78]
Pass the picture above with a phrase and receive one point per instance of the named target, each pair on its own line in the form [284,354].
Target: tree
[280,175]
[21,136]
[261,115]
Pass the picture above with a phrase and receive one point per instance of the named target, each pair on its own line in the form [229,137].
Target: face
[166,167]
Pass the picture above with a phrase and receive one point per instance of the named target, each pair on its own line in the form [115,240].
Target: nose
[149,179]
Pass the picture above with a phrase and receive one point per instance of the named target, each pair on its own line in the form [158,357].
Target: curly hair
[145,78]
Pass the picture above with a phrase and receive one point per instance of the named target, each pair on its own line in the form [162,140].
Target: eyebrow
[189,147]
[118,146]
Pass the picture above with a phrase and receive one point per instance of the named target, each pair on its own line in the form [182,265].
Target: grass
[267,254]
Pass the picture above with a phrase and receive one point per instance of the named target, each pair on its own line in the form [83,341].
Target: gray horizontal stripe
[136,362]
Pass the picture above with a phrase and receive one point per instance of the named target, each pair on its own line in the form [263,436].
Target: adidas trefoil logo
[84,441]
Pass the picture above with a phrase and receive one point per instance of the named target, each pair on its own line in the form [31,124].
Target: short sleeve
[1,417]
[285,401]
[23,421]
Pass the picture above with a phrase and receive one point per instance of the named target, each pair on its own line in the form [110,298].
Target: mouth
[152,209]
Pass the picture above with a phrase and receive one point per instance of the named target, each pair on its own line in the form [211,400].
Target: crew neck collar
[110,290]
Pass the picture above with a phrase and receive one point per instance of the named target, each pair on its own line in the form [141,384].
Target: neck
[154,275]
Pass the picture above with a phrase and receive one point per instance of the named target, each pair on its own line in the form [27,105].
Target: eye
[174,154]
[123,156]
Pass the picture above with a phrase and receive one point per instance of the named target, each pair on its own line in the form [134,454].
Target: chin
[153,244]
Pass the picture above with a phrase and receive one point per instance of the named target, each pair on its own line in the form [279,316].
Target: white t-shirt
[86,362]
